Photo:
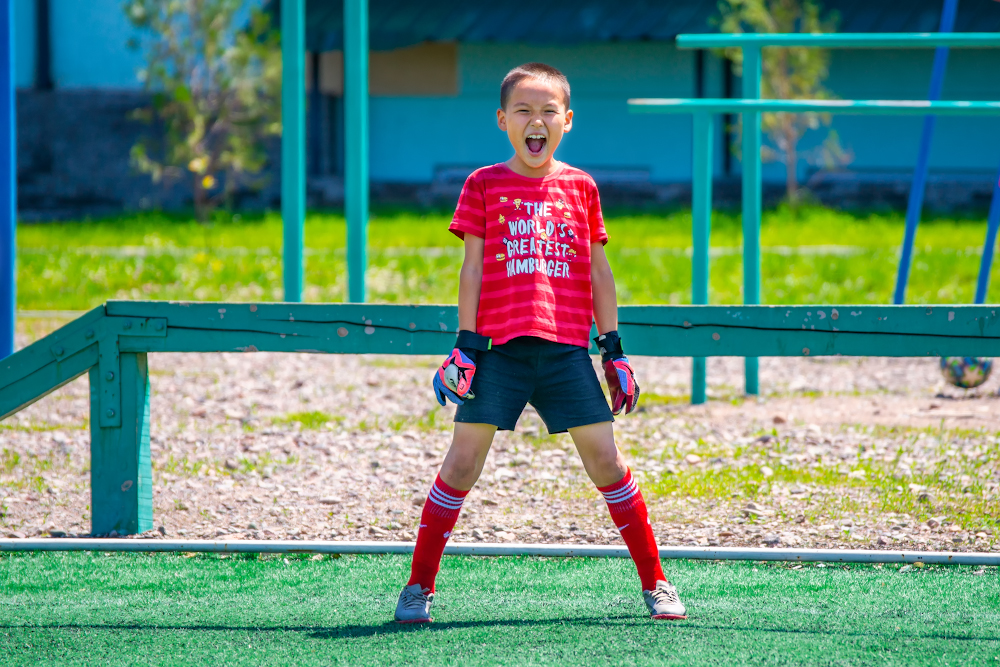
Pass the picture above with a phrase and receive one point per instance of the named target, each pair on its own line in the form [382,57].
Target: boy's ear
[569,121]
[501,120]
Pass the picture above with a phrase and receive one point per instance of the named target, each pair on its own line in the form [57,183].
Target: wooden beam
[67,340]
[26,390]
[868,330]
[121,474]
[780,331]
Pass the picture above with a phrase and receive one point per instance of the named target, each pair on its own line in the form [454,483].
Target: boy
[534,276]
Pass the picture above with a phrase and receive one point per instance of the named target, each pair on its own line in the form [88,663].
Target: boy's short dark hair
[541,71]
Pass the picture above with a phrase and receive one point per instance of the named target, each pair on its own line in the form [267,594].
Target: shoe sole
[416,620]
[668,617]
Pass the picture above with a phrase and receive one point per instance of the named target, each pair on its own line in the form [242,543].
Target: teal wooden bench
[112,342]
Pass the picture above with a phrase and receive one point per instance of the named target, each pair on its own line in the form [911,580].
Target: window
[425,70]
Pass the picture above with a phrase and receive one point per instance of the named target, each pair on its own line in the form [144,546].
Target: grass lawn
[816,256]
[124,609]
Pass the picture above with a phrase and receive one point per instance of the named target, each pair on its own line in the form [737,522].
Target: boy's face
[535,119]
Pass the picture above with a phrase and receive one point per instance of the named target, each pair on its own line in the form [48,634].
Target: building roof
[398,23]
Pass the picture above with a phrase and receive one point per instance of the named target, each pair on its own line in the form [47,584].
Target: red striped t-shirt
[536,262]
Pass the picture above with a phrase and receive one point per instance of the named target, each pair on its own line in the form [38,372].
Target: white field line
[484,549]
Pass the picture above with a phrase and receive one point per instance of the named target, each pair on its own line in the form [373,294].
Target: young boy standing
[534,278]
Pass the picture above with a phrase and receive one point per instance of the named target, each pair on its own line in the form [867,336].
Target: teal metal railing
[843,40]
[293,143]
[293,148]
[751,106]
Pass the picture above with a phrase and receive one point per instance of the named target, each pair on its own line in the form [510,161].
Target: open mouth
[535,143]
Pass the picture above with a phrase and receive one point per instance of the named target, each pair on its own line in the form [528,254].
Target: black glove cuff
[610,345]
[470,342]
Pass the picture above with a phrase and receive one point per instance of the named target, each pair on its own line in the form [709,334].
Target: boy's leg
[459,472]
[607,469]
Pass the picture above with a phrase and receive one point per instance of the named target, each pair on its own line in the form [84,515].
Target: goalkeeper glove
[453,380]
[618,373]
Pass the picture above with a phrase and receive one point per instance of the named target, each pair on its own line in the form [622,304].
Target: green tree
[789,73]
[214,70]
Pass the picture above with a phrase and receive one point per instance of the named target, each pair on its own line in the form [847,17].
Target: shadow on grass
[390,627]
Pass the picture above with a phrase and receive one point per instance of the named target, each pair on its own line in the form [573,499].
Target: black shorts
[559,380]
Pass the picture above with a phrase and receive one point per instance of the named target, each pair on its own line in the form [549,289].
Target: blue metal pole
[751,199]
[701,222]
[356,149]
[916,202]
[293,141]
[992,225]
[8,180]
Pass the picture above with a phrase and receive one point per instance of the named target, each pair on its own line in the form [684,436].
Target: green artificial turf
[124,609]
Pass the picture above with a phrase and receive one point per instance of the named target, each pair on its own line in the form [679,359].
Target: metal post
[992,225]
[916,201]
[356,150]
[293,141]
[751,197]
[8,180]
[701,223]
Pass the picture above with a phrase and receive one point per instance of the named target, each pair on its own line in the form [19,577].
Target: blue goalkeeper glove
[453,380]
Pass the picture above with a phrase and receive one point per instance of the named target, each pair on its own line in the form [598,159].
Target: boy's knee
[460,471]
[610,461]
[605,466]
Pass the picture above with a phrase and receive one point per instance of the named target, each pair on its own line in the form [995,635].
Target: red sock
[436,521]
[628,511]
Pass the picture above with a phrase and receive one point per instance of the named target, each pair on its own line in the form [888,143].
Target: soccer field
[168,609]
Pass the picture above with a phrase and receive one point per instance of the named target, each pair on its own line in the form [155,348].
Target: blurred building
[435,72]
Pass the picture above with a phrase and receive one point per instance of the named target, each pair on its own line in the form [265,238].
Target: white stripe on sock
[621,494]
[439,497]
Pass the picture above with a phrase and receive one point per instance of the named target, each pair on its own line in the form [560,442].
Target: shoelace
[414,601]
[668,595]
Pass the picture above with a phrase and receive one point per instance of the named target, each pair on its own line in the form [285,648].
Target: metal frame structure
[915,203]
[356,191]
[8,180]
[751,106]
[293,144]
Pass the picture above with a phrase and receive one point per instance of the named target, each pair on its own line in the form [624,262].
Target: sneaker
[414,605]
[663,603]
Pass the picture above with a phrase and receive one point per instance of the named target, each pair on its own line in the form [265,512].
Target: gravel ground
[840,452]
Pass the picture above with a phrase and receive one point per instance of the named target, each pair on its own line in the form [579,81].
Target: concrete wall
[411,137]
[73,155]
[89,44]
[24,43]
[89,49]
[971,144]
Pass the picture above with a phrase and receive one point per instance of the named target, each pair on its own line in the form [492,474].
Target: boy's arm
[621,379]
[602,284]
[470,283]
